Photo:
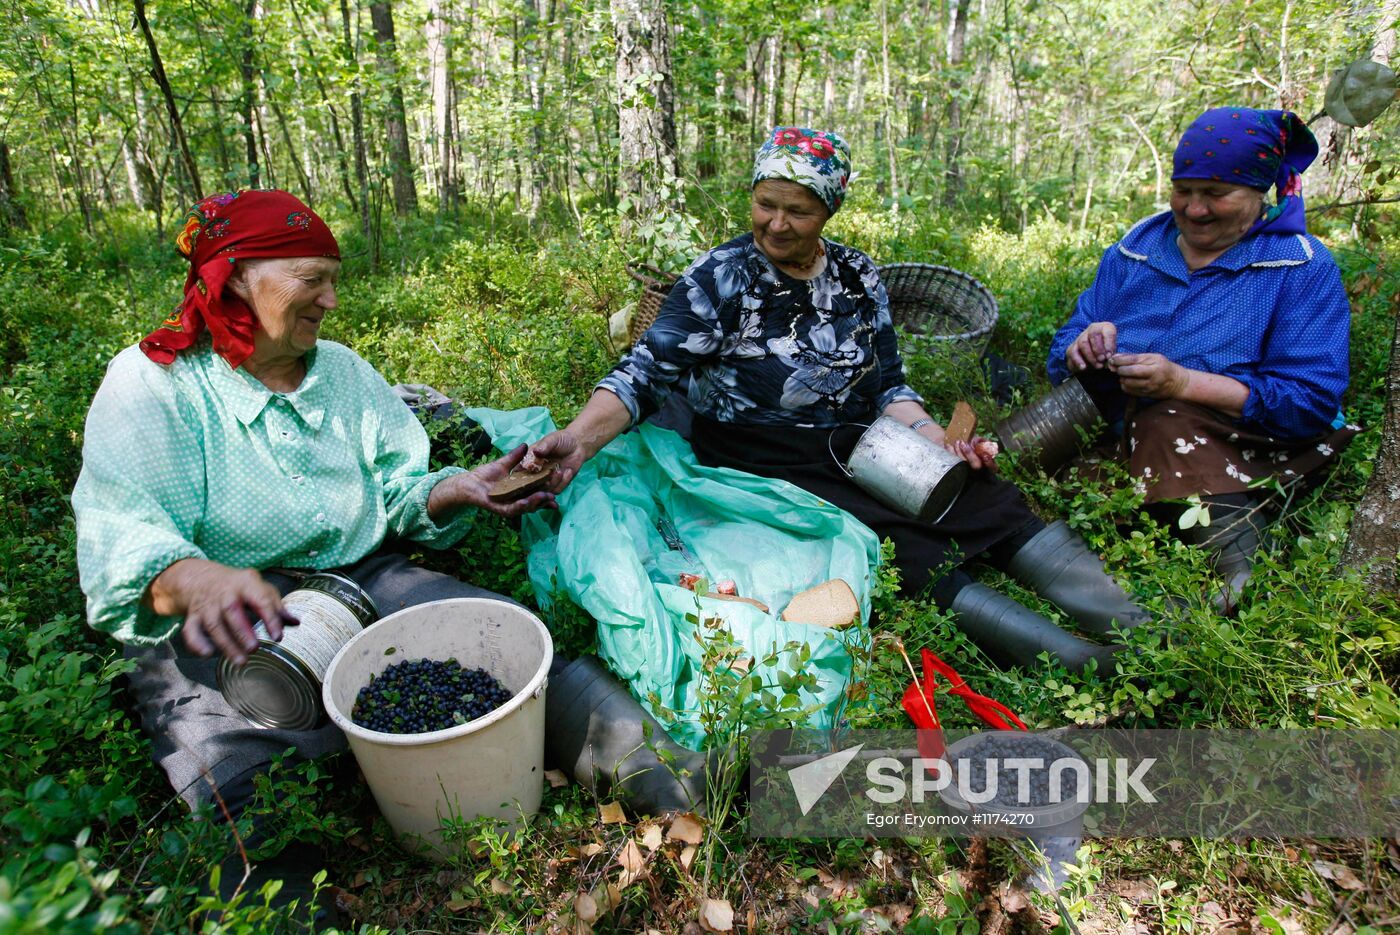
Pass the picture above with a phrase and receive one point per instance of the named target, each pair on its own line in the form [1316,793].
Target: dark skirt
[1180,449]
[989,513]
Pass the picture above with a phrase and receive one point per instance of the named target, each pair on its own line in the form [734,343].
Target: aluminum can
[280,684]
[905,471]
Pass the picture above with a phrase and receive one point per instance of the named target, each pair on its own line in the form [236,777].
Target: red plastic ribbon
[920,706]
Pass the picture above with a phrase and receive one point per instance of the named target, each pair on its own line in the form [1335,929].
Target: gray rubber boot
[594,732]
[1016,635]
[1232,538]
[1058,565]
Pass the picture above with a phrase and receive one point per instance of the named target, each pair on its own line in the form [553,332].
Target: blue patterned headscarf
[818,160]
[1260,148]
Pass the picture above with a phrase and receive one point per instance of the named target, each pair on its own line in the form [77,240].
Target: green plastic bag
[605,550]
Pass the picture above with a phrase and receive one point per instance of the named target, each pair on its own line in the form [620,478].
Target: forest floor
[93,840]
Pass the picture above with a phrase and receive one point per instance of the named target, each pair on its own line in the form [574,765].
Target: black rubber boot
[1058,565]
[1016,635]
[1237,522]
[594,732]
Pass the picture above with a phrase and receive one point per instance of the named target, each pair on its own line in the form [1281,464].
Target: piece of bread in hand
[962,424]
[521,483]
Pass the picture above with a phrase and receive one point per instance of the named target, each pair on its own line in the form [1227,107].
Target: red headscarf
[218,231]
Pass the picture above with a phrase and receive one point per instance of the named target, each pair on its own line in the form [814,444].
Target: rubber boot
[1058,565]
[1016,635]
[594,731]
[1232,538]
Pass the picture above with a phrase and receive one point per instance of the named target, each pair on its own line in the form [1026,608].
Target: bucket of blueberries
[1024,785]
[443,706]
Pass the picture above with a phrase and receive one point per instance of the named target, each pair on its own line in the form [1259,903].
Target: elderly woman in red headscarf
[231,441]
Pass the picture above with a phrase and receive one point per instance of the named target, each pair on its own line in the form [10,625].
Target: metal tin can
[905,471]
[280,684]
[1050,425]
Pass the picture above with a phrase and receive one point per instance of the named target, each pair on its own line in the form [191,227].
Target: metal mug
[1050,425]
[905,471]
[280,684]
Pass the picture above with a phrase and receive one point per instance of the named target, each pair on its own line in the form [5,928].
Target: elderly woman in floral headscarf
[1220,330]
[232,441]
[784,336]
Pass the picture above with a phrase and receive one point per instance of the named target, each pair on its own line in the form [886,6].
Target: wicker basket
[940,306]
[656,285]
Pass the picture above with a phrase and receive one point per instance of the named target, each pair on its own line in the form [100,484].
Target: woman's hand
[473,488]
[602,419]
[1150,375]
[219,605]
[1093,348]
[563,448]
[977,451]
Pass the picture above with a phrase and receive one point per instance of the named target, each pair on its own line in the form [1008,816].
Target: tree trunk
[957,43]
[11,211]
[395,120]
[1373,541]
[177,128]
[439,36]
[357,129]
[889,103]
[314,64]
[306,190]
[646,132]
[248,75]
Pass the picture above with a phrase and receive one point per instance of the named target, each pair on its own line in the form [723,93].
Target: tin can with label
[280,684]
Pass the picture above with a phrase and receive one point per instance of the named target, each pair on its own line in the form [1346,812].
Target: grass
[501,316]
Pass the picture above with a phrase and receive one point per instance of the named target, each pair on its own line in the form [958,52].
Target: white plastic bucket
[493,766]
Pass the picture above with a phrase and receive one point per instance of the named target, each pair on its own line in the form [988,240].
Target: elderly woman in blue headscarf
[785,336]
[1218,333]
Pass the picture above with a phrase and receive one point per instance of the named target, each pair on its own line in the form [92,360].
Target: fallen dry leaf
[359,880]
[632,862]
[607,897]
[501,887]
[1286,922]
[585,907]
[556,778]
[651,837]
[348,903]
[716,915]
[688,856]
[588,850]
[687,828]
[896,913]
[460,905]
[1341,875]
[612,814]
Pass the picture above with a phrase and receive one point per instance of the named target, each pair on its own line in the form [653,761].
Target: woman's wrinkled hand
[220,605]
[978,452]
[561,447]
[1150,375]
[1093,348]
[485,477]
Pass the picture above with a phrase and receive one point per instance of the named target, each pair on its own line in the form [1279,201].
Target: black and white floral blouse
[762,348]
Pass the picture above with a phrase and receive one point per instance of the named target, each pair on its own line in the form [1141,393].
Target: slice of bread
[521,484]
[829,604]
[962,424]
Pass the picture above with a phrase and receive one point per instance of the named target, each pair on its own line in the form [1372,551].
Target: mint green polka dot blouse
[197,460]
